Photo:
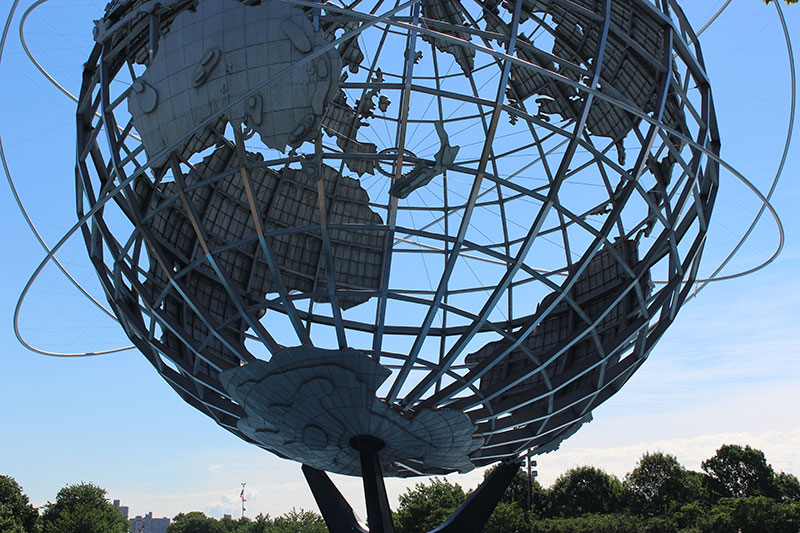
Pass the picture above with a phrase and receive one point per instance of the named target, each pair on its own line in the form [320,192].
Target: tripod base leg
[473,514]
[338,514]
[379,515]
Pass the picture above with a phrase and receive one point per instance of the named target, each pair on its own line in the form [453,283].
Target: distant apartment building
[148,524]
[143,524]
[121,508]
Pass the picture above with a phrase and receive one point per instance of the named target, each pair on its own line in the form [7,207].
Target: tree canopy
[298,522]
[736,472]
[788,487]
[585,490]
[658,496]
[751,515]
[658,483]
[82,508]
[426,506]
[517,491]
[17,515]
[194,522]
[295,521]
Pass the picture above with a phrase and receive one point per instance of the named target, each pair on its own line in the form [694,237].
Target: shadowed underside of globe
[456,227]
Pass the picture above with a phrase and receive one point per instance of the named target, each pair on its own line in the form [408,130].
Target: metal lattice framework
[480,202]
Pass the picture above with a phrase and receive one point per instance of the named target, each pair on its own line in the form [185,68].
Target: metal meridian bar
[391,216]
[473,197]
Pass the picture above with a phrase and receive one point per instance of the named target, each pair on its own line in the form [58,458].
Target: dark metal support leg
[335,510]
[475,511]
[470,517]
[379,515]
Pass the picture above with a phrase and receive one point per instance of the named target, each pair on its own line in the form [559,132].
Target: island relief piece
[262,63]
[310,403]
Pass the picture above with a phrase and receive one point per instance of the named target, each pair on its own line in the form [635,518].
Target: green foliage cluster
[292,522]
[17,515]
[426,506]
[81,508]
[737,491]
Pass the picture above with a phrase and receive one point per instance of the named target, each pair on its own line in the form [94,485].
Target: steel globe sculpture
[411,238]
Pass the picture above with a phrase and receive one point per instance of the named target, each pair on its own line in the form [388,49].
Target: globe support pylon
[340,518]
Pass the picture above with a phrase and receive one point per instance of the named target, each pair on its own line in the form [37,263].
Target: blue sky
[727,371]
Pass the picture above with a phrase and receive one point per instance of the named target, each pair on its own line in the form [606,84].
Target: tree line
[84,508]
[736,491]
[81,508]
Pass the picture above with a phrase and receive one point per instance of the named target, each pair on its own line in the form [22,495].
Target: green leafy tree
[426,506]
[585,490]
[592,523]
[788,487]
[517,494]
[82,508]
[736,472]
[195,522]
[659,483]
[229,525]
[17,515]
[260,524]
[751,515]
[298,522]
[507,517]
[687,516]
